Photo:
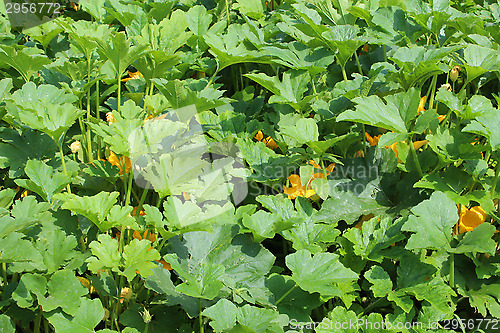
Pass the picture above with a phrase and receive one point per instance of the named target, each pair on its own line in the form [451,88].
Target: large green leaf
[375,235]
[120,52]
[321,273]
[89,315]
[27,61]
[395,115]
[43,180]
[234,259]
[432,222]
[138,257]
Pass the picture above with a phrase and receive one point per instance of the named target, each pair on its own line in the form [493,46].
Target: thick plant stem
[141,200]
[4,273]
[344,74]
[285,294]
[129,187]
[202,329]
[358,63]
[495,180]
[364,138]
[452,270]
[118,94]
[64,167]
[98,116]
[38,321]
[433,86]
[89,138]
[415,158]
[227,13]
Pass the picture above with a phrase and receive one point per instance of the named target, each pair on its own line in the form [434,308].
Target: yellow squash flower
[132,76]
[270,143]
[469,218]
[110,118]
[421,107]
[297,189]
[113,159]
[373,141]
[328,169]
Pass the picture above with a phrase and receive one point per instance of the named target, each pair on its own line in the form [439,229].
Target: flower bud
[446,86]
[454,73]
[110,118]
[126,294]
[75,146]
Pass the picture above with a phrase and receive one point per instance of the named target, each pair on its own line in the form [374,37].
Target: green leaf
[17,149]
[290,90]
[205,283]
[261,320]
[432,222]
[89,315]
[25,213]
[396,115]
[339,315]
[311,236]
[321,273]
[13,248]
[180,96]
[43,180]
[198,20]
[243,262]
[282,287]
[138,256]
[375,235]
[265,225]
[454,145]
[65,291]
[303,131]
[6,324]
[478,240]
[120,52]
[251,8]
[223,315]
[45,108]
[380,280]
[29,284]
[106,254]
[25,60]
[56,248]
[484,125]
[485,299]
[344,38]
[95,208]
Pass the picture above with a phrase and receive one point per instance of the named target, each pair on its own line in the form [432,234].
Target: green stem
[495,180]
[202,329]
[431,97]
[227,13]
[64,167]
[129,187]
[4,273]
[344,74]
[119,93]
[364,138]
[286,294]
[38,321]
[358,63]
[314,87]
[89,138]
[141,201]
[46,326]
[452,270]
[98,116]
[373,305]
[415,158]
[84,138]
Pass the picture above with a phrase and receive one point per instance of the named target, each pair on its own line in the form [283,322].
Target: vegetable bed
[251,166]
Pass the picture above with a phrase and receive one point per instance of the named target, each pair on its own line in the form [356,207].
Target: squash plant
[251,166]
